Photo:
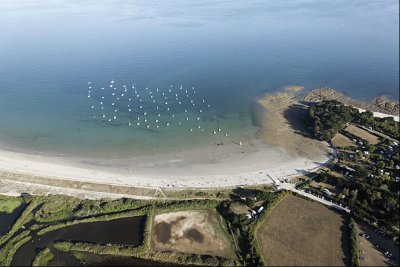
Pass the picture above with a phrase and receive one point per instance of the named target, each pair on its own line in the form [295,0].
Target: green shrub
[43,257]
[353,243]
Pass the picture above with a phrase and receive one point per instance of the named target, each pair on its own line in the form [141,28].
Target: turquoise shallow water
[231,52]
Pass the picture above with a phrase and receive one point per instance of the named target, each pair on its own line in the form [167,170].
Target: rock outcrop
[379,104]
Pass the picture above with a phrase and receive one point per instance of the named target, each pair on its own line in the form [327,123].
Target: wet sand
[285,125]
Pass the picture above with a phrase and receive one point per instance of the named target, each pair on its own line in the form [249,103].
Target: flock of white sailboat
[148,108]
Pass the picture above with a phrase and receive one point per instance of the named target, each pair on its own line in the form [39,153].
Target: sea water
[231,52]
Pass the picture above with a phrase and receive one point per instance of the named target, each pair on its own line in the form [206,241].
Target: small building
[345,168]
[326,192]
[260,209]
[366,152]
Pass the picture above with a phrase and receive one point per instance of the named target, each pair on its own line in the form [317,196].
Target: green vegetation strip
[353,243]
[9,204]
[43,258]
[62,208]
[8,251]
[142,252]
[183,205]
[25,217]
[99,249]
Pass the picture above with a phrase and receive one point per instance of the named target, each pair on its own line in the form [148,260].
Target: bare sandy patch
[198,232]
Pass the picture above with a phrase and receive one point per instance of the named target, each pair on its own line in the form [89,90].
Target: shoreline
[381,105]
[227,166]
[282,149]
[248,162]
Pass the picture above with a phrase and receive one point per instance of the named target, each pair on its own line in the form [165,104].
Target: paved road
[378,133]
[292,187]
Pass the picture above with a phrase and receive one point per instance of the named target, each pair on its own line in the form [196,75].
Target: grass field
[195,231]
[9,204]
[340,140]
[301,232]
[372,139]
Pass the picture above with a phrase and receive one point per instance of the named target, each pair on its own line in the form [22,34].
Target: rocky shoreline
[285,124]
[379,104]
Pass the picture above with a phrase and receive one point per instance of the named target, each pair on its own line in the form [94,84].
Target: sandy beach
[225,166]
[280,150]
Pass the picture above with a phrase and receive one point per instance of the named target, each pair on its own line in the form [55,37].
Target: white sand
[380,114]
[212,166]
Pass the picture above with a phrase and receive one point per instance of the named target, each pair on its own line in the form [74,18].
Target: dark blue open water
[230,51]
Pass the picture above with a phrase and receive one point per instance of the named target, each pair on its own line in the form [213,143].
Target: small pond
[8,219]
[126,231]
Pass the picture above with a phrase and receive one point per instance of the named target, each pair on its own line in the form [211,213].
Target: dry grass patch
[372,139]
[197,232]
[299,232]
[240,208]
[340,140]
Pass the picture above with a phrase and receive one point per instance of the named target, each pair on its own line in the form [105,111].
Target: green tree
[353,198]
[371,148]
[345,192]
[391,164]
[380,164]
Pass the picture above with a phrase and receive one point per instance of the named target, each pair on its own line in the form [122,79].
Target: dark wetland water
[8,219]
[127,231]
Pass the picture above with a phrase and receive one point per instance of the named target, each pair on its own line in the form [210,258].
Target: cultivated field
[300,232]
[340,140]
[372,139]
[196,231]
